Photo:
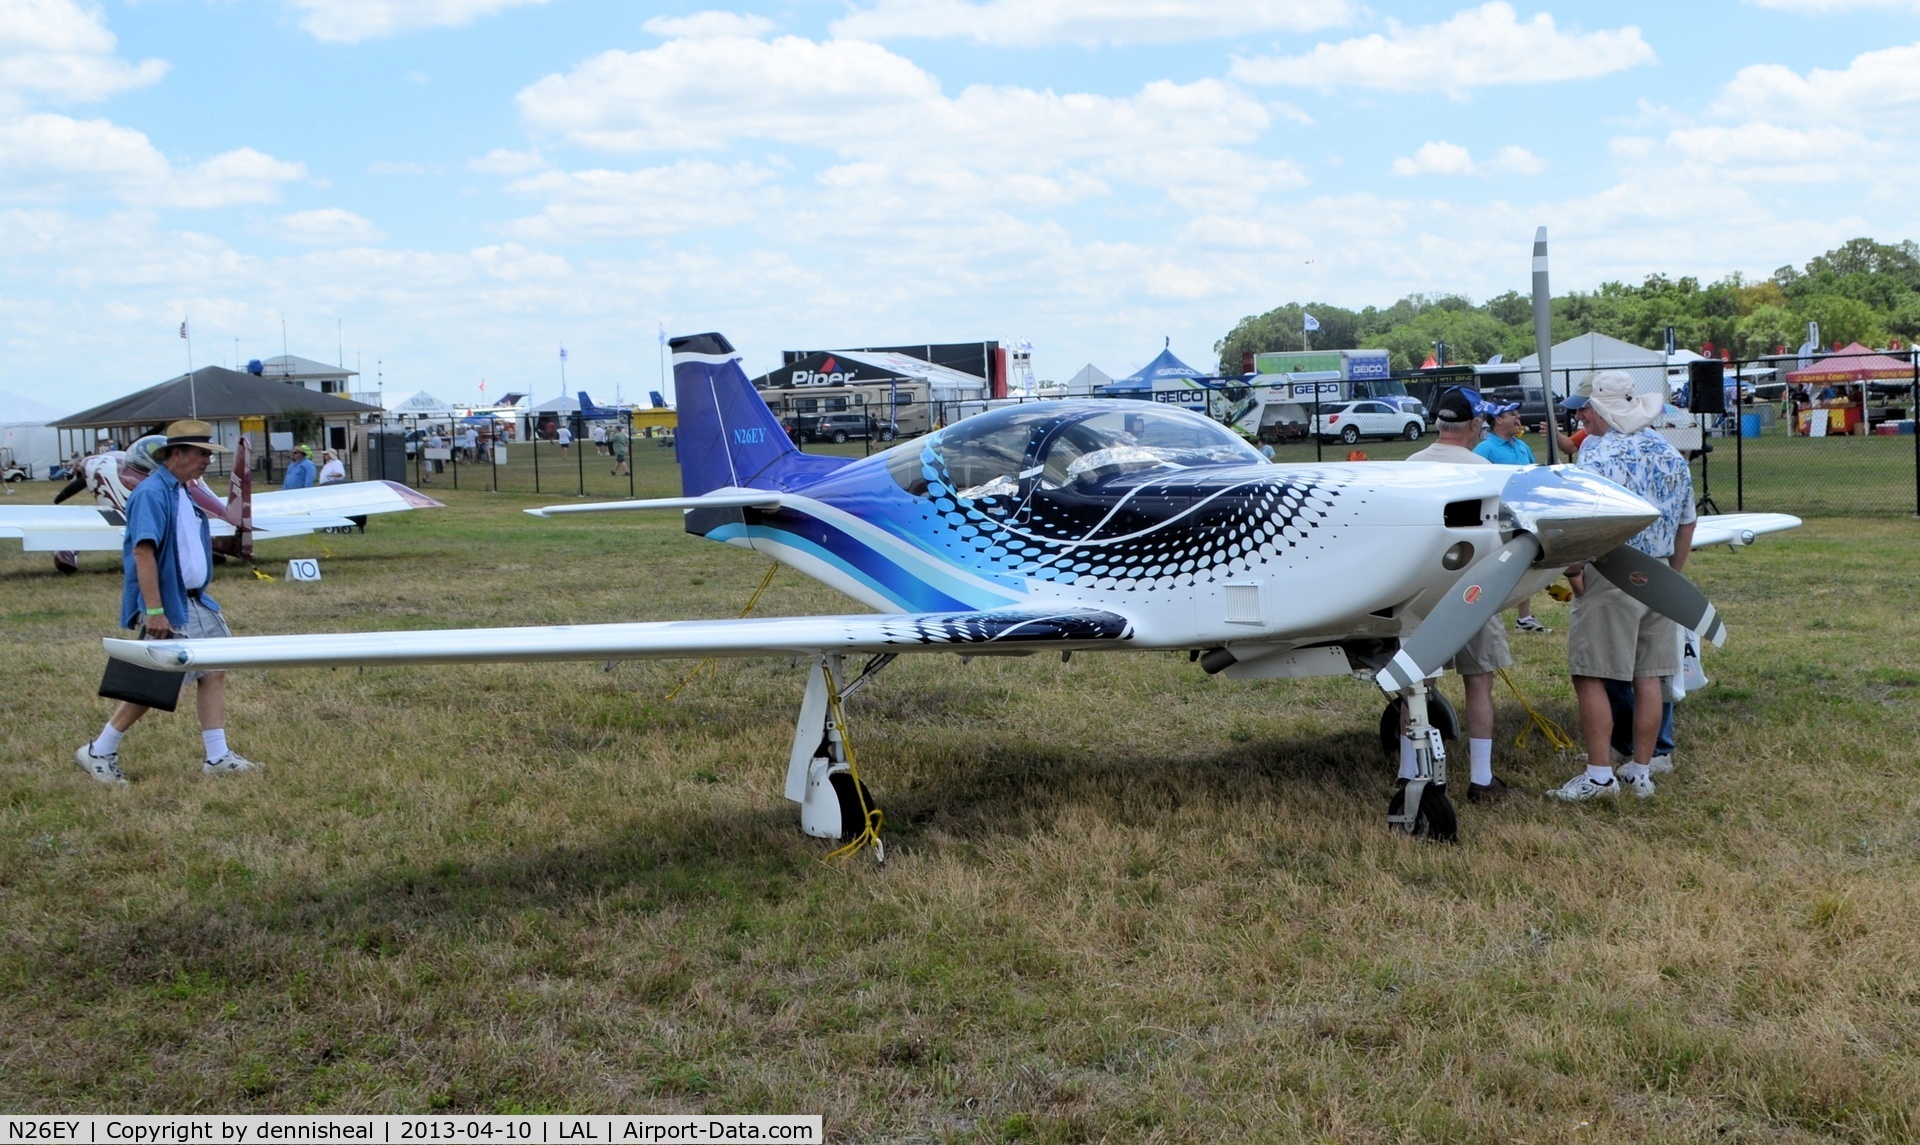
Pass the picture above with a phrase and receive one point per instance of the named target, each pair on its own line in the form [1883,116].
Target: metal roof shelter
[216,395]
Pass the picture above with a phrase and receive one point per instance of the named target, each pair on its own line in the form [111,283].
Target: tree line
[1862,291]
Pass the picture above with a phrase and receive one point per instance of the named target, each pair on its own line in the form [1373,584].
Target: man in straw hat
[1613,636]
[168,562]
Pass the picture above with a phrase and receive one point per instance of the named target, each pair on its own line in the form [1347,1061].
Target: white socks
[109,741]
[1601,774]
[1480,761]
[216,741]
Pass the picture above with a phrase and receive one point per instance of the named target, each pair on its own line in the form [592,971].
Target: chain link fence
[1847,449]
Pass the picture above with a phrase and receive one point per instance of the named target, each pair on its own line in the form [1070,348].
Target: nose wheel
[1419,806]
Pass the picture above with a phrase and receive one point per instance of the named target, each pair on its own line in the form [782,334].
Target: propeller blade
[77,485]
[1543,335]
[1652,582]
[1477,595]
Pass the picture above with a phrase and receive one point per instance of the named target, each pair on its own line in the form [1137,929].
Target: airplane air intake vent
[1463,514]
[1243,603]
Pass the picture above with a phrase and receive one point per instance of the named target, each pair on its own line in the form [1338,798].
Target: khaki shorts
[1615,637]
[203,623]
[1486,651]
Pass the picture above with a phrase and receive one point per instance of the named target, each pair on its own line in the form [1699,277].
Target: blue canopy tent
[1139,384]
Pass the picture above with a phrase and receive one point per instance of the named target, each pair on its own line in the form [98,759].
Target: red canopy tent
[1854,366]
[1856,363]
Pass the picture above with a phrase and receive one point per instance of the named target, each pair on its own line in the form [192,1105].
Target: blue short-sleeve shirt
[1502,452]
[151,517]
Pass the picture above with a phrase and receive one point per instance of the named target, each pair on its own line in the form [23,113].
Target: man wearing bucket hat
[301,474]
[1460,413]
[1611,635]
[167,560]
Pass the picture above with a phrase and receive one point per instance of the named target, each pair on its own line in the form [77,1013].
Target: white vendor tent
[35,445]
[1578,359]
[419,403]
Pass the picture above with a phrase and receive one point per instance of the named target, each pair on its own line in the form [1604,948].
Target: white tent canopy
[1087,381]
[36,445]
[419,403]
[1578,359]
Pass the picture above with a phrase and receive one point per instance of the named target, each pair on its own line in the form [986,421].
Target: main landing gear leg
[1421,808]
[834,803]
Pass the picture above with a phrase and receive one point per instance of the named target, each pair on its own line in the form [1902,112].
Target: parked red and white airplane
[237,522]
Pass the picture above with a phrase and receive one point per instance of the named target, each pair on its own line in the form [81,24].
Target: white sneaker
[1660,764]
[103,768]
[228,764]
[1581,788]
[1641,785]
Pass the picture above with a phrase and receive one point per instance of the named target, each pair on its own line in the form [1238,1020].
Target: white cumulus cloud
[1442,158]
[705,25]
[1480,47]
[57,49]
[330,226]
[1037,23]
[350,21]
[689,195]
[1878,90]
[53,157]
[1835,7]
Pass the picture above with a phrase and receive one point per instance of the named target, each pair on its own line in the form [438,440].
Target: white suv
[1355,420]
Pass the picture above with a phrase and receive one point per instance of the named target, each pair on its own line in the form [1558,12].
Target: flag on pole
[183,328]
[1312,323]
[483,385]
[563,353]
[663,333]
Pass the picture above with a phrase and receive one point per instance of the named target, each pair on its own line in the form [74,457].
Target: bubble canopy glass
[1071,445]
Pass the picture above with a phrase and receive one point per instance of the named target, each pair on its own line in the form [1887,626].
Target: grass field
[1123,901]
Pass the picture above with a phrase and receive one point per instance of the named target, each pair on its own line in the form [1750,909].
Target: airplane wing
[1002,631]
[63,528]
[1739,528]
[718,499]
[345,499]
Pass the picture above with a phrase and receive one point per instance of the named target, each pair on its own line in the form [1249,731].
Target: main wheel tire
[839,437]
[851,792]
[1350,435]
[1413,431]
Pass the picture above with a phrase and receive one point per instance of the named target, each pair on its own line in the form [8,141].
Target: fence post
[1913,415]
[1740,438]
[533,443]
[580,461]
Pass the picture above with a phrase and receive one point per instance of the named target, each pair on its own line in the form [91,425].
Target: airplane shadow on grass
[711,861]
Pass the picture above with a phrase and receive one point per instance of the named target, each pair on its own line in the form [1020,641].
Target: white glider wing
[63,528]
[346,499]
[1002,630]
[1739,528]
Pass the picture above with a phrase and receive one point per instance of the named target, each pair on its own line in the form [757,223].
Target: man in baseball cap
[167,564]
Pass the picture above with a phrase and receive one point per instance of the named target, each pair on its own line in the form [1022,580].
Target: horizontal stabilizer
[1005,630]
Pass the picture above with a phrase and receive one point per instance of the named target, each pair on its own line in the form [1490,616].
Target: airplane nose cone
[1575,515]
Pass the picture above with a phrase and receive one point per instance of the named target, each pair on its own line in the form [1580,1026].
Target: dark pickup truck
[1533,403]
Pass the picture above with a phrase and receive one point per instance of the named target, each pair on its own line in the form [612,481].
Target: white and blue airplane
[1076,526]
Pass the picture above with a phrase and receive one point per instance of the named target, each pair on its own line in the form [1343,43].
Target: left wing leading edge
[1005,630]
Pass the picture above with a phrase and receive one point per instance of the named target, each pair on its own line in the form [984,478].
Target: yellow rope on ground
[1556,735]
[870,817]
[710,662]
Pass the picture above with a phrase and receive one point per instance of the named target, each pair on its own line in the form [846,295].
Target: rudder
[727,436]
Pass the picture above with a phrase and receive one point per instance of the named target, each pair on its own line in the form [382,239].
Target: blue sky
[454,188]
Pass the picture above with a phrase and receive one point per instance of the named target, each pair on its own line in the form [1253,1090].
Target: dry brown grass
[1124,901]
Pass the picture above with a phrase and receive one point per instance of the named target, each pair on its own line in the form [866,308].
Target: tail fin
[727,435]
[587,408]
[240,498]
[658,401]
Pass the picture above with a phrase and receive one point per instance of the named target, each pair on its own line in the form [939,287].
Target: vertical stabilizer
[727,435]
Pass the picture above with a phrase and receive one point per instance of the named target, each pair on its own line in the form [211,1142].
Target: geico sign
[809,378]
